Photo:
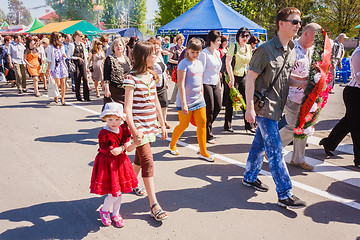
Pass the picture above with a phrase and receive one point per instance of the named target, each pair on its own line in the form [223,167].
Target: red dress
[113,174]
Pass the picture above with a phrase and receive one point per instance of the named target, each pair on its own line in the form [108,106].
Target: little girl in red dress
[113,173]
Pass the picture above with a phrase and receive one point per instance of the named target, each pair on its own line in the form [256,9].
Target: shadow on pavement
[326,124]
[55,220]
[31,104]
[82,137]
[219,195]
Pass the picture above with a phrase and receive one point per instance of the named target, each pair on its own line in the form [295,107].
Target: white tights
[115,202]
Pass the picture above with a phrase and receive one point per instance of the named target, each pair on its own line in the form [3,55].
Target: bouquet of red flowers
[317,90]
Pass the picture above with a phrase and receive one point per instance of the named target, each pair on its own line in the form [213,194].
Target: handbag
[91,68]
[72,66]
[173,75]
[53,90]
[259,97]
[223,61]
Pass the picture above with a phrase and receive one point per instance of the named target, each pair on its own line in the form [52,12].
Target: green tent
[4,24]
[358,26]
[35,24]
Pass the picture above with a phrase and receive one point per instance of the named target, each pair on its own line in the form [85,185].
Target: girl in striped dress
[143,109]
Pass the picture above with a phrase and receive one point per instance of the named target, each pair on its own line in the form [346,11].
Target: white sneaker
[211,141]
[209,159]
[175,152]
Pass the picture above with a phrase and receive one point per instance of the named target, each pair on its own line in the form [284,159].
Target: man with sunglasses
[268,75]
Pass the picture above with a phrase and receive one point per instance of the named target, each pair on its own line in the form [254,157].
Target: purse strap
[276,77]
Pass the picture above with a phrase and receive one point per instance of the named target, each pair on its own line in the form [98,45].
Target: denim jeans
[267,138]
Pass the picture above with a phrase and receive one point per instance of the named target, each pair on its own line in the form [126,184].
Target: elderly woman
[350,122]
[242,52]
[78,54]
[116,67]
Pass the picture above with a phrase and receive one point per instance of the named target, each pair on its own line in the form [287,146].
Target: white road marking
[346,148]
[334,169]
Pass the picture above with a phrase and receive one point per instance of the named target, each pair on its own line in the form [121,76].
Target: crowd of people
[134,77]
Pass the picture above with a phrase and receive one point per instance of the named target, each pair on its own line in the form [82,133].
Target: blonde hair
[116,41]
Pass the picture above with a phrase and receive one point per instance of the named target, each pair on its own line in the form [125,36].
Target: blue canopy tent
[126,32]
[210,15]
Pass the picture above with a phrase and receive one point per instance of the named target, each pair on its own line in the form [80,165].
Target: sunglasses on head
[294,22]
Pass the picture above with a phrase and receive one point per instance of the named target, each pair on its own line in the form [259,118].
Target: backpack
[223,60]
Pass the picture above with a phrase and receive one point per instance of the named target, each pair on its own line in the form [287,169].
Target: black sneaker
[258,185]
[292,202]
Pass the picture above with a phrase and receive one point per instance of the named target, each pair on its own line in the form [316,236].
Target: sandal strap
[154,205]
[159,213]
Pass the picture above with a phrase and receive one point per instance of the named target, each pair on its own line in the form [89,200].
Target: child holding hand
[113,173]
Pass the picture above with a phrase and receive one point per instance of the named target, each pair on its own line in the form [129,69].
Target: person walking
[162,85]
[4,58]
[56,63]
[78,54]
[142,110]
[242,52]
[97,58]
[31,58]
[271,64]
[337,54]
[112,172]
[211,61]
[350,122]
[16,62]
[173,60]
[116,67]
[66,43]
[300,72]
[190,101]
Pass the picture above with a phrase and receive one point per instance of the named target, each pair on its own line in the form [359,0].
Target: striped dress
[143,107]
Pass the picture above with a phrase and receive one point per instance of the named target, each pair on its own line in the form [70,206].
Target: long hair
[28,41]
[55,39]
[142,50]
[95,48]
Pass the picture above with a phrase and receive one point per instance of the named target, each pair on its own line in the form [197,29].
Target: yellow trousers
[184,120]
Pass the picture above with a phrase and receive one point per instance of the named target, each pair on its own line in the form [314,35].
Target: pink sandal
[118,220]
[104,219]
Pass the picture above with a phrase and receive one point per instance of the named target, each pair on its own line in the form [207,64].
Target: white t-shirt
[212,65]
[301,69]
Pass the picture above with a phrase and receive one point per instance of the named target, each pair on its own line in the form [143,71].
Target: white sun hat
[113,108]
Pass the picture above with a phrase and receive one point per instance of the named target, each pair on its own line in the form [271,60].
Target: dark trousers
[212,95]
[239,85]
[350,123]
[81,74]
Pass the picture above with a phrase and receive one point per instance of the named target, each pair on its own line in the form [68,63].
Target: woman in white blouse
[210,57]
[350,122]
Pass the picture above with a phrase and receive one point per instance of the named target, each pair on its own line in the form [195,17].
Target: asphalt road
[47,152]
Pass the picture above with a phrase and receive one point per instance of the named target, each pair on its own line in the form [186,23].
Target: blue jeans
[267,138]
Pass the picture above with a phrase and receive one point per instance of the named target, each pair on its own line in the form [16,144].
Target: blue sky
[150,4]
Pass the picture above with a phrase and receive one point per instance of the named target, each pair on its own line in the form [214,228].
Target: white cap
[343,35]
[113,108]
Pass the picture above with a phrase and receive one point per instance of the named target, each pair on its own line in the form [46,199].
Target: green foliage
[338,16]
[171,9]
[15,8]
[2,16]
[112,13]
[137,13]
[75,10]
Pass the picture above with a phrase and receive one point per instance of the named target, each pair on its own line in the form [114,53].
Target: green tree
[338,16]
[112,14]
[171,9]
[75,10]
[18,14]
[2,16]
[137,14]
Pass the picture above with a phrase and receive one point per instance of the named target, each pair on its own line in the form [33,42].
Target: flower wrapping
[237,99]
[317,90]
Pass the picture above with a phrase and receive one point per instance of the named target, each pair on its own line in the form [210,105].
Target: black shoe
[73,89]
[24,90]
[229,130]
[252,130]
[79,99]
[292,202]
[20,92]
[327,151]
[258,185]
[88,99]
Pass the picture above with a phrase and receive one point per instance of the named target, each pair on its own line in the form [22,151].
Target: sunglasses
[294,22]
[245,35]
